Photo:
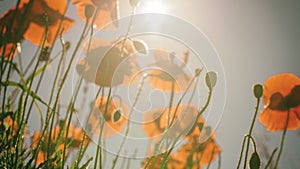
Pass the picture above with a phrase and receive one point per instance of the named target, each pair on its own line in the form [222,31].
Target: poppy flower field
[84,86]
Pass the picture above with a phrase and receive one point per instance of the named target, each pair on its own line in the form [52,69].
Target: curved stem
[128,124]
[272,155]
[282,140]
[171,102]
[250,132]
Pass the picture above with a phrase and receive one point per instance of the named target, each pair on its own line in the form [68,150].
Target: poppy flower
[54,11]
[76,137]
[154,162]
[180,121]
[281,95]
[198,154]
[9,127]
[107,11]
[151,125]
[108,64]
[114,119]
[11,31]
[169,73]
[41,156]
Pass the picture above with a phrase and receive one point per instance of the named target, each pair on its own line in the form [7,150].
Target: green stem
[102,120]
[81,152]
[282,139]
[170,103]
[128,124]
[58,93]
[271,157]
[219,161]
[250,132]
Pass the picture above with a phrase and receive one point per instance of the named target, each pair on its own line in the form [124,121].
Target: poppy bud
[67,45]
[211,80]
[198,71]
[134,3]
[89,11]
[254,162]
[258,90]
[185,57]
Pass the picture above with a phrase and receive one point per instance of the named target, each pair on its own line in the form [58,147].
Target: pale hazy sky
[254,39]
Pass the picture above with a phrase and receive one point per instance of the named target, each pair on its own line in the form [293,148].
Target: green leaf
[140,46]
[25,88]
[254,161]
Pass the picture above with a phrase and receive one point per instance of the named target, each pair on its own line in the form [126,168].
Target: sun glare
[153,7]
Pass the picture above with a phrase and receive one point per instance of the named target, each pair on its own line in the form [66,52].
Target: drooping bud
[254,162]
[89,11]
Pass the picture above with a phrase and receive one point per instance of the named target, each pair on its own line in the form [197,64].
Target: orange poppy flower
[194,152]
[156,161]
[151,125]
[157,120]
[281,95]
[107,11]
[169,73]
[75,136]
[114,119]
[10,36]
[54,10]
[41,157]
[107,64]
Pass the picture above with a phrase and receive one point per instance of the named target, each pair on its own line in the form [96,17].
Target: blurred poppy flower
[11,31]
[113,120]
[198,154]
[8,129]
[154,162]
[281,95]
[75,136]
[151,125]
[168,73]
[180,119]
[54,149]
[107,11]
[42,13]
[53,12]
[108,64]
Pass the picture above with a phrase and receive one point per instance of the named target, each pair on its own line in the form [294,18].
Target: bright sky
[254,40]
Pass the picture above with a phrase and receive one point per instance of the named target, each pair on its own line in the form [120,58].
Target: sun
[155,6]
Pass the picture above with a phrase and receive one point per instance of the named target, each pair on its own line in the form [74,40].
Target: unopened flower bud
[134,3]
[211,79]
[258,90]
[67,45]
[89,11]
